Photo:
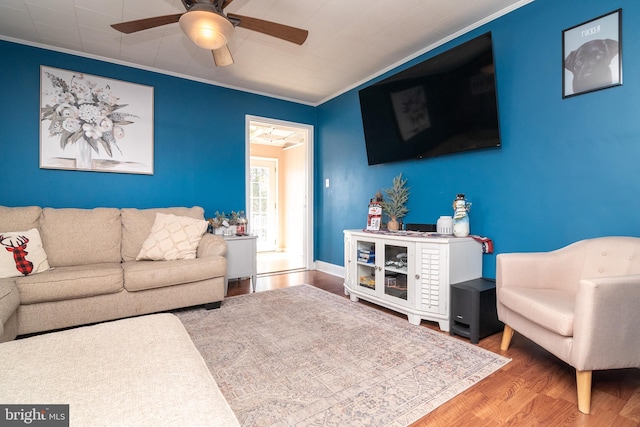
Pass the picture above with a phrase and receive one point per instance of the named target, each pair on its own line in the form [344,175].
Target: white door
[263,189]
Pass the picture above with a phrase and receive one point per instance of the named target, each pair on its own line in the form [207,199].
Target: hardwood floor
[535,389]
[278,262]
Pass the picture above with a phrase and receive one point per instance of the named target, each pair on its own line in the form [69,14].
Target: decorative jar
[445,225]
[241,227]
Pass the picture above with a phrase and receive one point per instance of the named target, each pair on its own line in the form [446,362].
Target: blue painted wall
[199,140]
[568,168]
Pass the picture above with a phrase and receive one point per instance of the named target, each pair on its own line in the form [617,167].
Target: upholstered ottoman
[142,371]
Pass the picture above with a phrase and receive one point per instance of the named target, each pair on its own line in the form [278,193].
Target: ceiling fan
[209,27]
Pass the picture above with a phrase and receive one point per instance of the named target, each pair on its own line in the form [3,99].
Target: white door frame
[308,197]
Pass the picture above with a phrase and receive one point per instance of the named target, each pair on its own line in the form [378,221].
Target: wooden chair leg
[507,334]
[583,380]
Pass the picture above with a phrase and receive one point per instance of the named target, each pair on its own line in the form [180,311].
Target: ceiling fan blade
[222,56]
[284,32]
[226,3]
[146,23]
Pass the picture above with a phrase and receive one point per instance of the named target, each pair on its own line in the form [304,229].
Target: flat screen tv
[443,105]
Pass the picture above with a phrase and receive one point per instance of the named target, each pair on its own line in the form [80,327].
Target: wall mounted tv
[446,104]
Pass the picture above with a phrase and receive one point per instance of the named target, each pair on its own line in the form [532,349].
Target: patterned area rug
[302,356]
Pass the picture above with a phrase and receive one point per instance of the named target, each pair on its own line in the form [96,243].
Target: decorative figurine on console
[374,216]
[461,209]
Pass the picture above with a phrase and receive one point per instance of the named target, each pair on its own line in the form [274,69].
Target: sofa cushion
[137,223]
[27,246]
[19,218]
[81,236]
[141,275]
[172,237]
[550,308]
[65,283]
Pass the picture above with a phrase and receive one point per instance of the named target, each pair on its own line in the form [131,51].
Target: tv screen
[443,105]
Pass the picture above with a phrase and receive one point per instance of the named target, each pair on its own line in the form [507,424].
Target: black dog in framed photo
[590,64]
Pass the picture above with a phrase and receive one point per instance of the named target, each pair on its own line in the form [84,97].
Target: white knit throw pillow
[172,237]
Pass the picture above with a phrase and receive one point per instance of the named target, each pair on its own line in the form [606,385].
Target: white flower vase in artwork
[83,154]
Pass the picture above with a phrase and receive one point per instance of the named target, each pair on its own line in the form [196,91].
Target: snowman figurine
[461,216]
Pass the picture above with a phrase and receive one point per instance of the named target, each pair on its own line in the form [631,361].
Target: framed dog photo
[592,55]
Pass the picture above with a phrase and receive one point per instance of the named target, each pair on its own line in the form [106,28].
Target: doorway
[279,194]
[263,199]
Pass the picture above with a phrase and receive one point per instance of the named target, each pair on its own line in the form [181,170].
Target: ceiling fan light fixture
[208,30]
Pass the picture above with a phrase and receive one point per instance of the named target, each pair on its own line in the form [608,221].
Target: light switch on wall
[326,182]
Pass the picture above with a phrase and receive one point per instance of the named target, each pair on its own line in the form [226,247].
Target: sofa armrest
[607,318]
[9,302]
[211,245]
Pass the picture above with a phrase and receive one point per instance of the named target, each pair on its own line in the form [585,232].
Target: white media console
[409,272]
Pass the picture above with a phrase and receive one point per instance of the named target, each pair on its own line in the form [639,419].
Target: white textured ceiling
[349,41]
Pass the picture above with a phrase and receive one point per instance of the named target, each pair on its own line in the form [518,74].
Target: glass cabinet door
[395,271]
[366,265]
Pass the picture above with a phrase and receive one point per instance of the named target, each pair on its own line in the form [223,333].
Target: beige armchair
[580,302]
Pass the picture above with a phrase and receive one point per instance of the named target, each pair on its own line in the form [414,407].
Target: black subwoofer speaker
[473,309]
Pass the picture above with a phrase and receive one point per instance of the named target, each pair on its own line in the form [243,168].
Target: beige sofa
[94,274]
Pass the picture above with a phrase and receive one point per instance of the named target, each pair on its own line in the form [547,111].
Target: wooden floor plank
[631,409]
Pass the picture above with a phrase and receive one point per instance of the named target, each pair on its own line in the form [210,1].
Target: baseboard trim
[325,267]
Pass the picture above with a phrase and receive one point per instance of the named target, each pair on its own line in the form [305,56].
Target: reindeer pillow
[21,254]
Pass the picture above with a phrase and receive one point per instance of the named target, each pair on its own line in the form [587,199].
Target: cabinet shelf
[367,285]
[402,270]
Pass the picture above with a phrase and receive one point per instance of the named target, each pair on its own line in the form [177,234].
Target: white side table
[241,259]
